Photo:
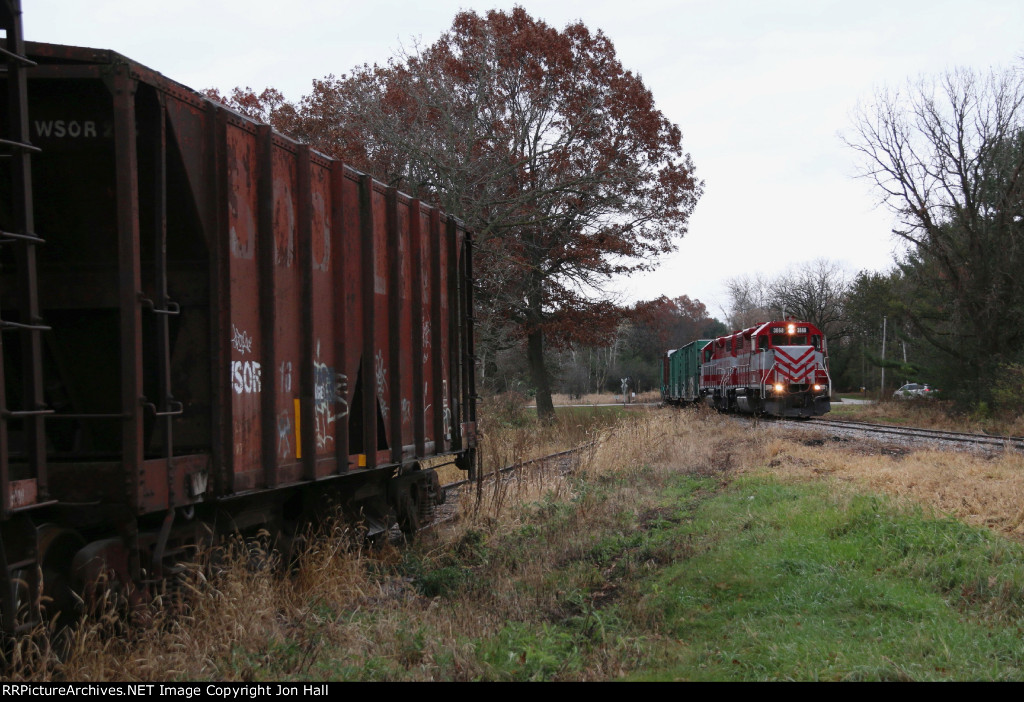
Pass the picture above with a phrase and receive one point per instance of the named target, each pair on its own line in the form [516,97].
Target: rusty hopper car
[206,325]
[778,368]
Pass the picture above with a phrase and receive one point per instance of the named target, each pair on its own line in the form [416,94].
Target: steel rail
[450,515]
[923,433]
[523,464]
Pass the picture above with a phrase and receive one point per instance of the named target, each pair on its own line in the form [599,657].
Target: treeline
[946,155]
[862,316]
[632,351]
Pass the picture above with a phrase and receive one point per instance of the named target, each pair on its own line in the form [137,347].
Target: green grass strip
[795,584]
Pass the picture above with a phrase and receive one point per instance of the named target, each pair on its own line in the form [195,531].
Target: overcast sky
[761,91]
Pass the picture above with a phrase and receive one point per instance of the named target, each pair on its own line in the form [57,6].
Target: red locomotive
[778,368]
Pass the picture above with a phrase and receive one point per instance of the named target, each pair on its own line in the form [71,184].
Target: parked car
[912,391]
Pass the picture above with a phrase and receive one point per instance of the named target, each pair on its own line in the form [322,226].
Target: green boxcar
[682,373]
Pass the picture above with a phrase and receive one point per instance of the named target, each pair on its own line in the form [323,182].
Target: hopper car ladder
[23,482]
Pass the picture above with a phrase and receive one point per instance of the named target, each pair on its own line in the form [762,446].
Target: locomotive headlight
[817,388]
[779,387]
[791,329]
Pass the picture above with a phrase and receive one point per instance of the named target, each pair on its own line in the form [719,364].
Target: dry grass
[933,414]
[234,598]
[235,616]
[606,398]
[980,489]
[510,435]
[695,440]
[983,490]
[347,612]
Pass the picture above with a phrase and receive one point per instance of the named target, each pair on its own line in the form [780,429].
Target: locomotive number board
[782,330]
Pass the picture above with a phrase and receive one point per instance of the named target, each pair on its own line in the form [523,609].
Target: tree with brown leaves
[540,140]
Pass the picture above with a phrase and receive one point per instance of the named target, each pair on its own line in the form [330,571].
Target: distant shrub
[1008,391]
[506,409]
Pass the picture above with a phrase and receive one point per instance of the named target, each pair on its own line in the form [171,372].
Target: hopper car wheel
[409,510]
[56,549]
[20,596]
[425,513]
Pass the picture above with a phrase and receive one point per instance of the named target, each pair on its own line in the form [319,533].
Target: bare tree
[749,301]
[947,157]
[815,292]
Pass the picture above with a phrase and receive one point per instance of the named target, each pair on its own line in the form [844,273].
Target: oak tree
[654,327]
[543,143]
[669,323]
[269,106]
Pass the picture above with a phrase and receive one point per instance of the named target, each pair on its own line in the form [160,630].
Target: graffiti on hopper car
[246,377]
[329,391]
[382,384]
[240,340]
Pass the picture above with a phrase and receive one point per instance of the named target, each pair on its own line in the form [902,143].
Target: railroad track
[918,434]
[543,460]
[446,512]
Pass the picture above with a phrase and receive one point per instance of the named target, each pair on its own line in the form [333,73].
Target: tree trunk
[539,374]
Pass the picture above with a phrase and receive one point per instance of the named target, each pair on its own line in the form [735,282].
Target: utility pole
[881,393]
[863,369]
